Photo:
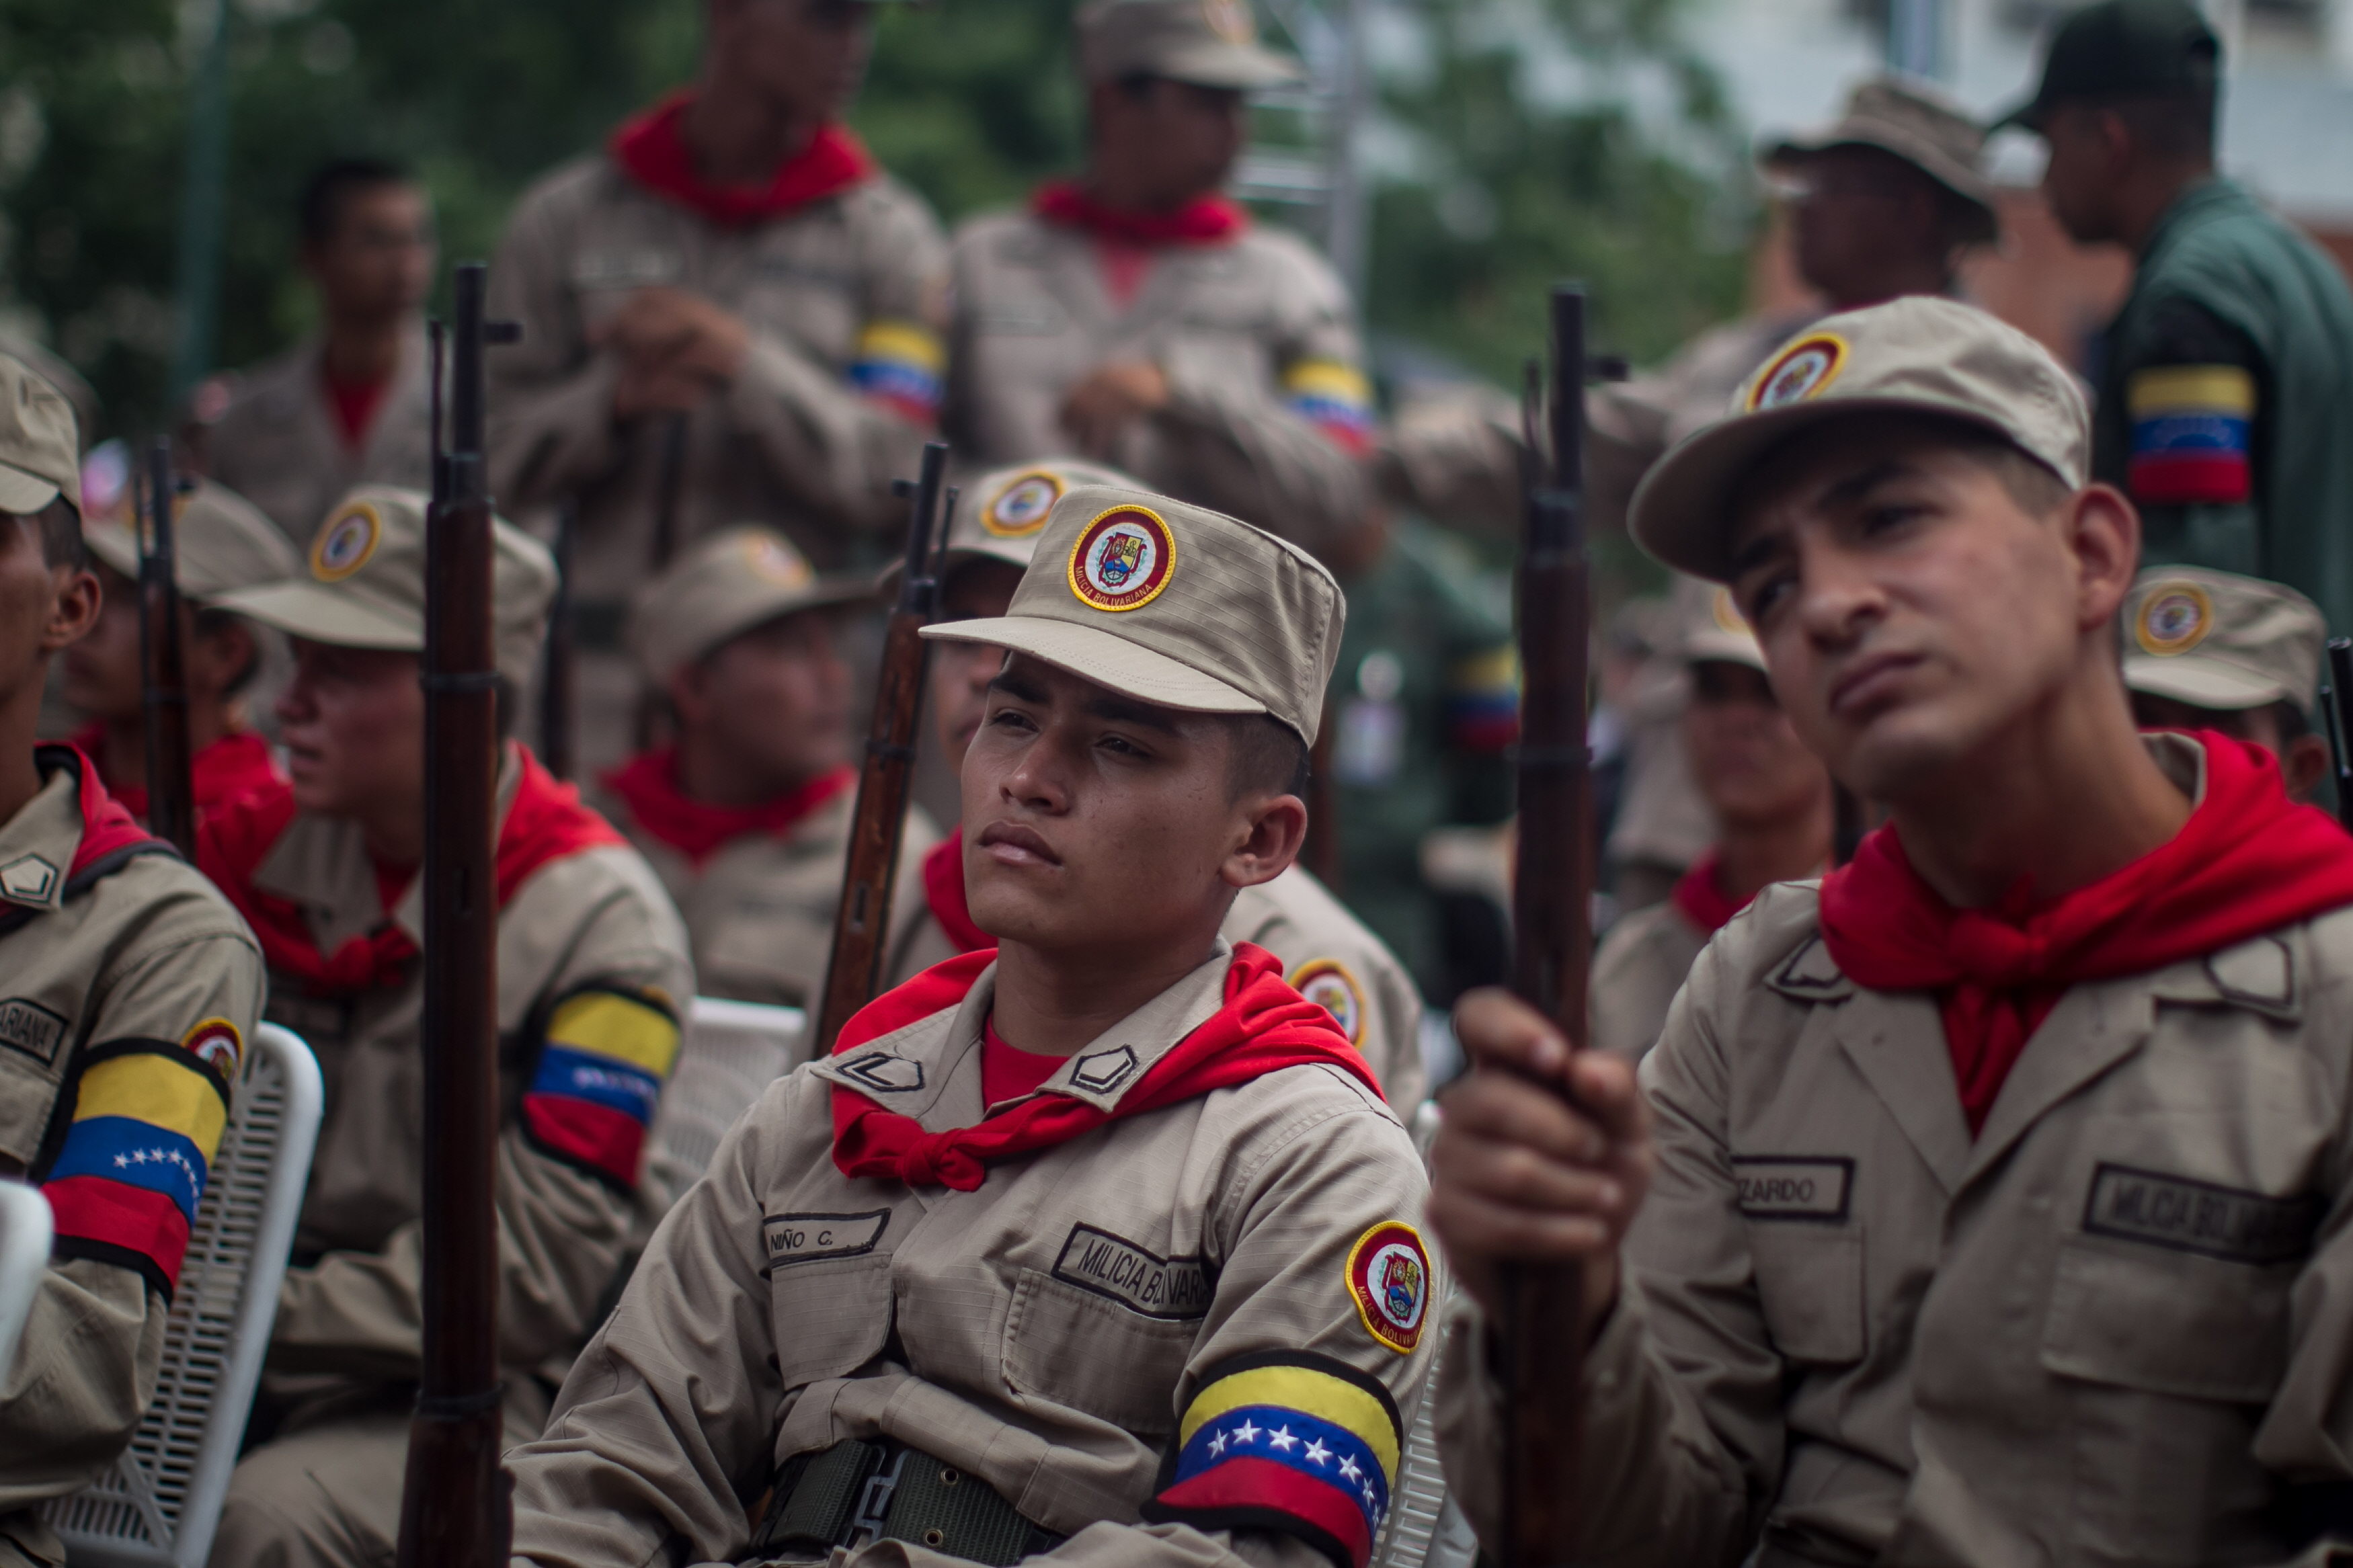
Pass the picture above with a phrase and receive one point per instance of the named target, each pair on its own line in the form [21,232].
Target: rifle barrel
[163,687]
[556,678]
[2339,709]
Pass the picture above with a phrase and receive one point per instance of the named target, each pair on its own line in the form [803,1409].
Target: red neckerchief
[1008,1072]
[545,823]
[648,784]
[1204,220]
[230,766]
[354,403]
[2247,861]
[1264,1026]
[944,891]
[1703,899]
[650,151]
[106,826]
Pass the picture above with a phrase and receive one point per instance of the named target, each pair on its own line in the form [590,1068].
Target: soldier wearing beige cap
[1099,1243]
[1326,952]
[593,974]
[746,812]
[1977,1204]
[2214,650]
[1135,316]
[222,544]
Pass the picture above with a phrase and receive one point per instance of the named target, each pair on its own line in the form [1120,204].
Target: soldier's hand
[1517,1172]
[673,345]
[1109,400]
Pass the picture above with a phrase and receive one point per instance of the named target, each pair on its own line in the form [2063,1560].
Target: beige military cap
[1925,129]
[728,583]
[1011,506]
[1208,43]
[220,543]
[41,451]
[1173,605]
[1713,630]
[364,585]
[2215,639]
[1919,353]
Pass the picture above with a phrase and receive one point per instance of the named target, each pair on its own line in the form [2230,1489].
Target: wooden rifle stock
[2336,707]
[164,684]
[555,680]
[669,487]
[861,926]
[1544,1330]
[455,1511]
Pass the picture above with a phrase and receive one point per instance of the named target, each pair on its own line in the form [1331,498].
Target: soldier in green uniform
[2226,386]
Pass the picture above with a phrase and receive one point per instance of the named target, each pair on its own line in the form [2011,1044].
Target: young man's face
[352,723]
[1172,141]
[1863,216]
[43,608]
[1744,752]
[1094,821]
[1910,608]
[807,55]
[775,699]
[960,671]
[378,262]
[2080,179]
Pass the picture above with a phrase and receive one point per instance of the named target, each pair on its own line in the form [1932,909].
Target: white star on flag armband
[124,1186]
[1290,1442]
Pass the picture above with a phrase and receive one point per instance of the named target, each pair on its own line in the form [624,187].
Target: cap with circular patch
[1175,604]
[1714,629]
[1208,43]
[1918,354]
[728,583]
[1925,129]
[2215,639]
[220,543]
[364,583]
[999,515]
[40,453]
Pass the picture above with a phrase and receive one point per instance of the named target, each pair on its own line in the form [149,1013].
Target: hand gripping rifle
[455,1511]
[163,685]
[1552,942]
[861,927]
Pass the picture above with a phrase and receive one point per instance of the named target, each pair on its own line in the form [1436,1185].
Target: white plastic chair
[729,1052]
[159,1504]
[26,1229]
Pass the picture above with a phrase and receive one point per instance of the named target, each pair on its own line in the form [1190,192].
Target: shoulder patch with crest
[1388,1278]
[217,1043]
[1327,982]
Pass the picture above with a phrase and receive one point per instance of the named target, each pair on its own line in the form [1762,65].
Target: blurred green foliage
[971,101]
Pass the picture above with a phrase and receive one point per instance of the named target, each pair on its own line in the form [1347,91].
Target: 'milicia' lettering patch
[2188,1216]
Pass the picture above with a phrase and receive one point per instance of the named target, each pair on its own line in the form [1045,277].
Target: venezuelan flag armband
[1288,1442]
[602,1064]
[899,364]
[2191,426]
[1333,395]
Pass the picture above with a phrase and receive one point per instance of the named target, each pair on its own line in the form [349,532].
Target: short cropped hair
[213,623]
[61,543]
[1267,754]
[320,208]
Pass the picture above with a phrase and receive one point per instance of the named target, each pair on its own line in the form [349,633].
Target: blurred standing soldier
[348,404]
[728,313]
[222,545]
[1136,315]
[2211,651]
[2226,384]
[746,816]
[128,989]
[1771,800]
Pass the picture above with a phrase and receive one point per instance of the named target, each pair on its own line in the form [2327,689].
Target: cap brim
[2204,683]
[1723,647]
[1238,66]
[321,614]
[1010,552]
[24,493]
[1977,191]
[1092,654]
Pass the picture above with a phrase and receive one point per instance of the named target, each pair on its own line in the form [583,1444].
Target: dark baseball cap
[2123,48]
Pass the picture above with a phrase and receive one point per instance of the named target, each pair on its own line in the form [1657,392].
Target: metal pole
[1915,32]
[1345,236]
[198,286]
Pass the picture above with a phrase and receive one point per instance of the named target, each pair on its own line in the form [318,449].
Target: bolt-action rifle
[861,927]
[555,679]
[455,1510]
[164,684]
[2336,708]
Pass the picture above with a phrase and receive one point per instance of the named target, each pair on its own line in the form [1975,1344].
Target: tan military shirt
[107,981]
[278,444]
[1637,970]
[2107,1331]
[1237,329]
[590,929]
[1045,1333]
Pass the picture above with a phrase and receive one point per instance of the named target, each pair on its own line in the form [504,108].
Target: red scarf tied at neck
[648,784]
[1703,901]
[229,766]
[2247,861]
[107,828]
[1204,220]
[1264,1026]
[545,823]
[650,151]
[944,891]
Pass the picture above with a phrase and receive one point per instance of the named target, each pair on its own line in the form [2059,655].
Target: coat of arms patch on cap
[773,562]
[345,544]
[1801,370]
[1388,1275]
[1327,982]
[2174,618]
[1019,509]
[1727,614]
[1123,560]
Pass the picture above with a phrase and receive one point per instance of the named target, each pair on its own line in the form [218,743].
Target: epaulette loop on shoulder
[1811,975]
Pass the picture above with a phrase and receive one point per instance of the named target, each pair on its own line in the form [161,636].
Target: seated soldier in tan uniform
[1329,954]
[1097,1244]
[127,990]
[592,974]
[1985,1204]
[747,813]
[2214,650]
[220,543]
[1770,798]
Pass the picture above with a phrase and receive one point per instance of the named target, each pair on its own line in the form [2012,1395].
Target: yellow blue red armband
[899,363]
[1334,397]
[131,1169]
[1285,1441]
[2191,427]
[602,1064]
[1482,701]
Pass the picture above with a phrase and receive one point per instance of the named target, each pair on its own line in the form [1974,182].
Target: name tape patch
[32,1028]
[2229,1223]
[806,1237]
[1135,1277]
[1797,1187]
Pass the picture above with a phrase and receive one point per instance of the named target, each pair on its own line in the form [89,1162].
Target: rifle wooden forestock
[555,726]
[455,1511]
[164,686]
[2338,708]
[1543,1331]
[861,926]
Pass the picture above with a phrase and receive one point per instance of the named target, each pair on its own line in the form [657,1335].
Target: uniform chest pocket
[830,1315]
[2165,1321]
[1810,1287]
[1086,1351]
